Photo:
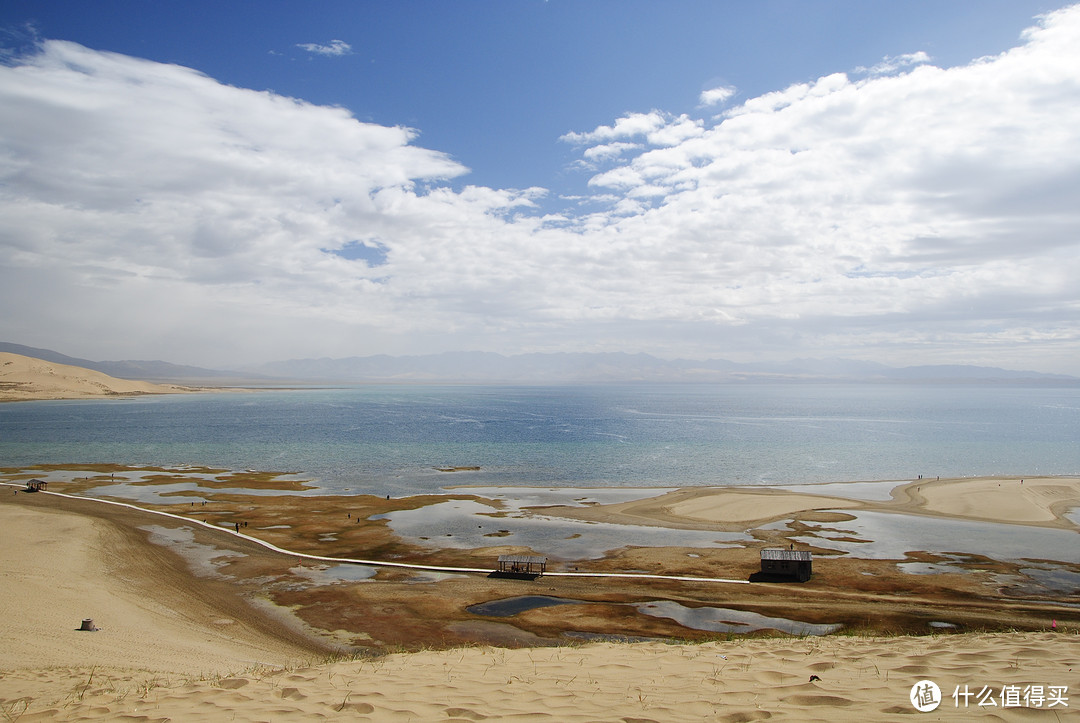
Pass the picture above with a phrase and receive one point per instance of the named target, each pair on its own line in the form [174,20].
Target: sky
[229,183]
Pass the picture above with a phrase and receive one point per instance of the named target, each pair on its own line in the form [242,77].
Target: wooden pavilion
[525,567]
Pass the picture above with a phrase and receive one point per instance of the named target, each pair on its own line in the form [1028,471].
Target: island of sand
[24,378]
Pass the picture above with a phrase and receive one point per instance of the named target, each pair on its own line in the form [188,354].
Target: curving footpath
[375,563]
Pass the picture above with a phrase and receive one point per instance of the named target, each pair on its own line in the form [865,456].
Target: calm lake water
[392,439]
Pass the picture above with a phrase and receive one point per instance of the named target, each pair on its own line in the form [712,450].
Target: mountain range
[539,368]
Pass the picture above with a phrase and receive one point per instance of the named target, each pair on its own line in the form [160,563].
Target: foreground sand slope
[58,568]
[867,678]
[25,378]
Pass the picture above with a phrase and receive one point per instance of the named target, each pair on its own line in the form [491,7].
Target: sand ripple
[743,680]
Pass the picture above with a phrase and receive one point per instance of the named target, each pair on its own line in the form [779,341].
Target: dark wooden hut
[526,567]
[36,485]
[797,564]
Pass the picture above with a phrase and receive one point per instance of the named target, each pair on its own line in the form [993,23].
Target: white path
[374,563]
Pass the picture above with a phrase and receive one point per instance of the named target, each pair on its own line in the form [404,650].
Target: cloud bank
[908,214]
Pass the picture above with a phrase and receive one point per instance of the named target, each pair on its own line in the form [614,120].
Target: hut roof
[797,555]
[523,559]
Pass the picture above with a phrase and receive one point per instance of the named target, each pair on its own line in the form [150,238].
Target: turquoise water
[391,439]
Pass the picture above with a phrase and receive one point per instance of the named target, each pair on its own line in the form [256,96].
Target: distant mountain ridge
[539,368]
[542,368]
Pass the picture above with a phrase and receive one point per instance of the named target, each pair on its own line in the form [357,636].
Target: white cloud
[629,126]
[951,186]
[609,151]
[655,127]
[333,48]
[716,96]
[890,64]
[908,216]
[675,131]
[140,176]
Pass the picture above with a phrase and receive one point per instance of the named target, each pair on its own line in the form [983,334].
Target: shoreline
[201,612]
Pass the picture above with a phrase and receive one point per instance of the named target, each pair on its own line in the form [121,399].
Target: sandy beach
[183,639]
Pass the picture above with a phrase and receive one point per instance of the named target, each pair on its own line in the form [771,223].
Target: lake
[385,439]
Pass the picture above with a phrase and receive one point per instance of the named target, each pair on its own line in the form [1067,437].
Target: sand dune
[25,378]
[58,568]
[867,678]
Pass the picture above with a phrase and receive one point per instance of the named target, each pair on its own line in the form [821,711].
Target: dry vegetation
[399,609]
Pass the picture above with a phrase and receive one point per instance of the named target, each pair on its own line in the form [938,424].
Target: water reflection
[180,493]
[203,559]
[886,536]
[322,575]
[726,620]
[865,491]
[719,620]
[510,606]
[1054,579]
[927,568]
[465,524]
[153,494]
[517,498]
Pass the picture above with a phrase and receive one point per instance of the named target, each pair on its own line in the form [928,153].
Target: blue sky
[495,84]
[216,183]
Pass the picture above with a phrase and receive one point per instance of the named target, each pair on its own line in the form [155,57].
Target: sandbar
[1034,501]
[1027,500]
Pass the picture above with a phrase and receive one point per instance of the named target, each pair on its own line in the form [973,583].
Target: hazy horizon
[555,368]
